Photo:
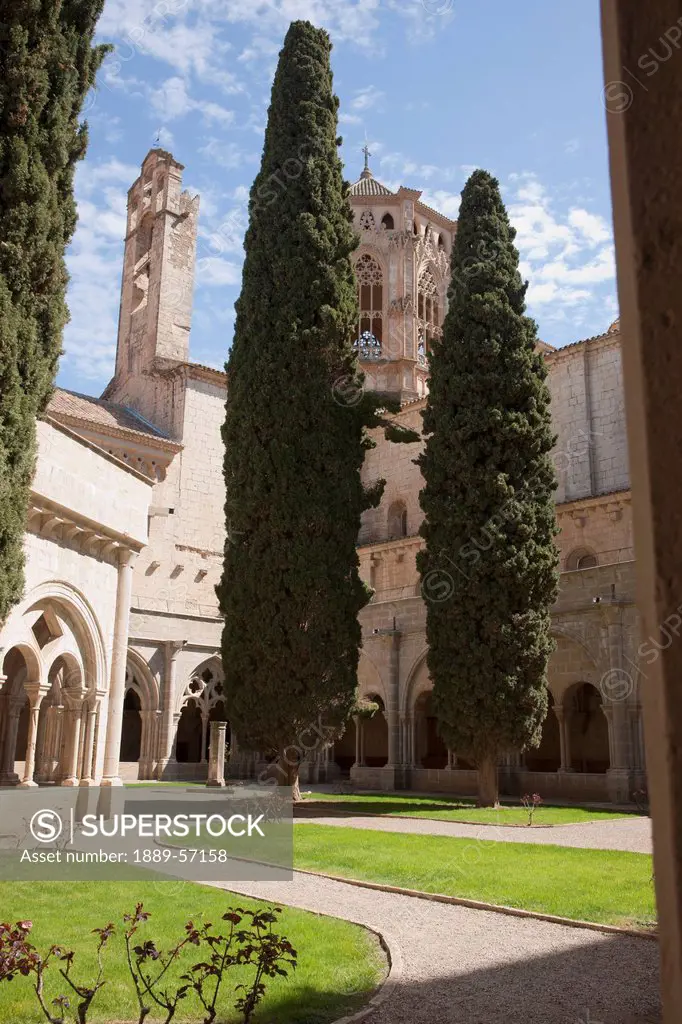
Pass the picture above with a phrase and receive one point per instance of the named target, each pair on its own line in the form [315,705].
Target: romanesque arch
[55,656]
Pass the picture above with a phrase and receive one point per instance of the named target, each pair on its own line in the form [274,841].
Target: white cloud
[171,100]
[444,202]
[567,254]
[349,119]
[225,234]
[94,262]
[400,166]
[166,139]
[215,271]
[227,154]
[367,98]
[593,228]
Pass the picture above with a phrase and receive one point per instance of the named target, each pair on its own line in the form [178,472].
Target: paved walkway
[632,833]
[453,965]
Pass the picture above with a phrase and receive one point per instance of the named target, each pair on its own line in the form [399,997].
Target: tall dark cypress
[295,431]
[489,568]
[47,66]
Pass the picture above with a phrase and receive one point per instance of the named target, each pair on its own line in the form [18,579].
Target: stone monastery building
[110,666]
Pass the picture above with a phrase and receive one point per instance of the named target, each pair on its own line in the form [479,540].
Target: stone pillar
[204,730]
[646,175]
[71,745]
[216,756]
[87,776]
[564,719]
[412,740]
[4,715]
[169,720]
[618,774]
[393,701]
[13,706]
[50,743]
[117,684]
[35,695]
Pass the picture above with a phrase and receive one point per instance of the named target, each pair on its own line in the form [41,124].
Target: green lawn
[603,886]
[454,809]
[340,964]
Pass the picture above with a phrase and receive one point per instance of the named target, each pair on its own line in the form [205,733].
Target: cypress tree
[489,566]
[295,433]
[47,66]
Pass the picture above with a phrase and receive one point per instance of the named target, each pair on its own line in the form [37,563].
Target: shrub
[248,941]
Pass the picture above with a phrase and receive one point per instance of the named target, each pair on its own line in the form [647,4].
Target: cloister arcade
[52,684]
[587,733]
[196,704]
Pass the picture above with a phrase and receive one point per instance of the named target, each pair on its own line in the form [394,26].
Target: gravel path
[632,834]
[453,965]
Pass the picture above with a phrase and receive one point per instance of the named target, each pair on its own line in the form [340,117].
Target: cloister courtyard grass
[339,964]
[602,886]
[447,808]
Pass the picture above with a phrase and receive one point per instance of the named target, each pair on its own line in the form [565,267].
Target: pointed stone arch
[201,702]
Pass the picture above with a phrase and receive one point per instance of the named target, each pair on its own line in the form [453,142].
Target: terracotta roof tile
[369,186]
[70,405]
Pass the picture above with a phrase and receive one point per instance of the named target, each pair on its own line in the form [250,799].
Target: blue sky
[438,87]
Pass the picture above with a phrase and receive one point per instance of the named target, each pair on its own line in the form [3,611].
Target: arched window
[397,520]
[388,222]
[428,313]
[371,294]
[581,558]
[367,222]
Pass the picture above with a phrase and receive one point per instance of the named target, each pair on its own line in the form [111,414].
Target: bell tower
[158,272]
[402,265]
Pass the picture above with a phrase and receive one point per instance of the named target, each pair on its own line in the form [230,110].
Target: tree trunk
[289,775]
[488,790]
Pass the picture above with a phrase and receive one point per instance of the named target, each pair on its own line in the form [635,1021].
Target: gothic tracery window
[428,314]
[367,222]
[371,294]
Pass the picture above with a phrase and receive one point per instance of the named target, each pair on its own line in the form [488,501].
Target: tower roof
[369,186]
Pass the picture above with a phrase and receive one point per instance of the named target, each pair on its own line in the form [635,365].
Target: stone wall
[588,414]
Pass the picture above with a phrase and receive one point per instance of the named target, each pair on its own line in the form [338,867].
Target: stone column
[393,701]
[216,756]
[4,715]
[412,740]
[71,744]
[169,720]
[50,744]
[117,685]
[618,774]
[87,778]
[204,729]
[13,706]
[35,695]
[564,719]
[358,743]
